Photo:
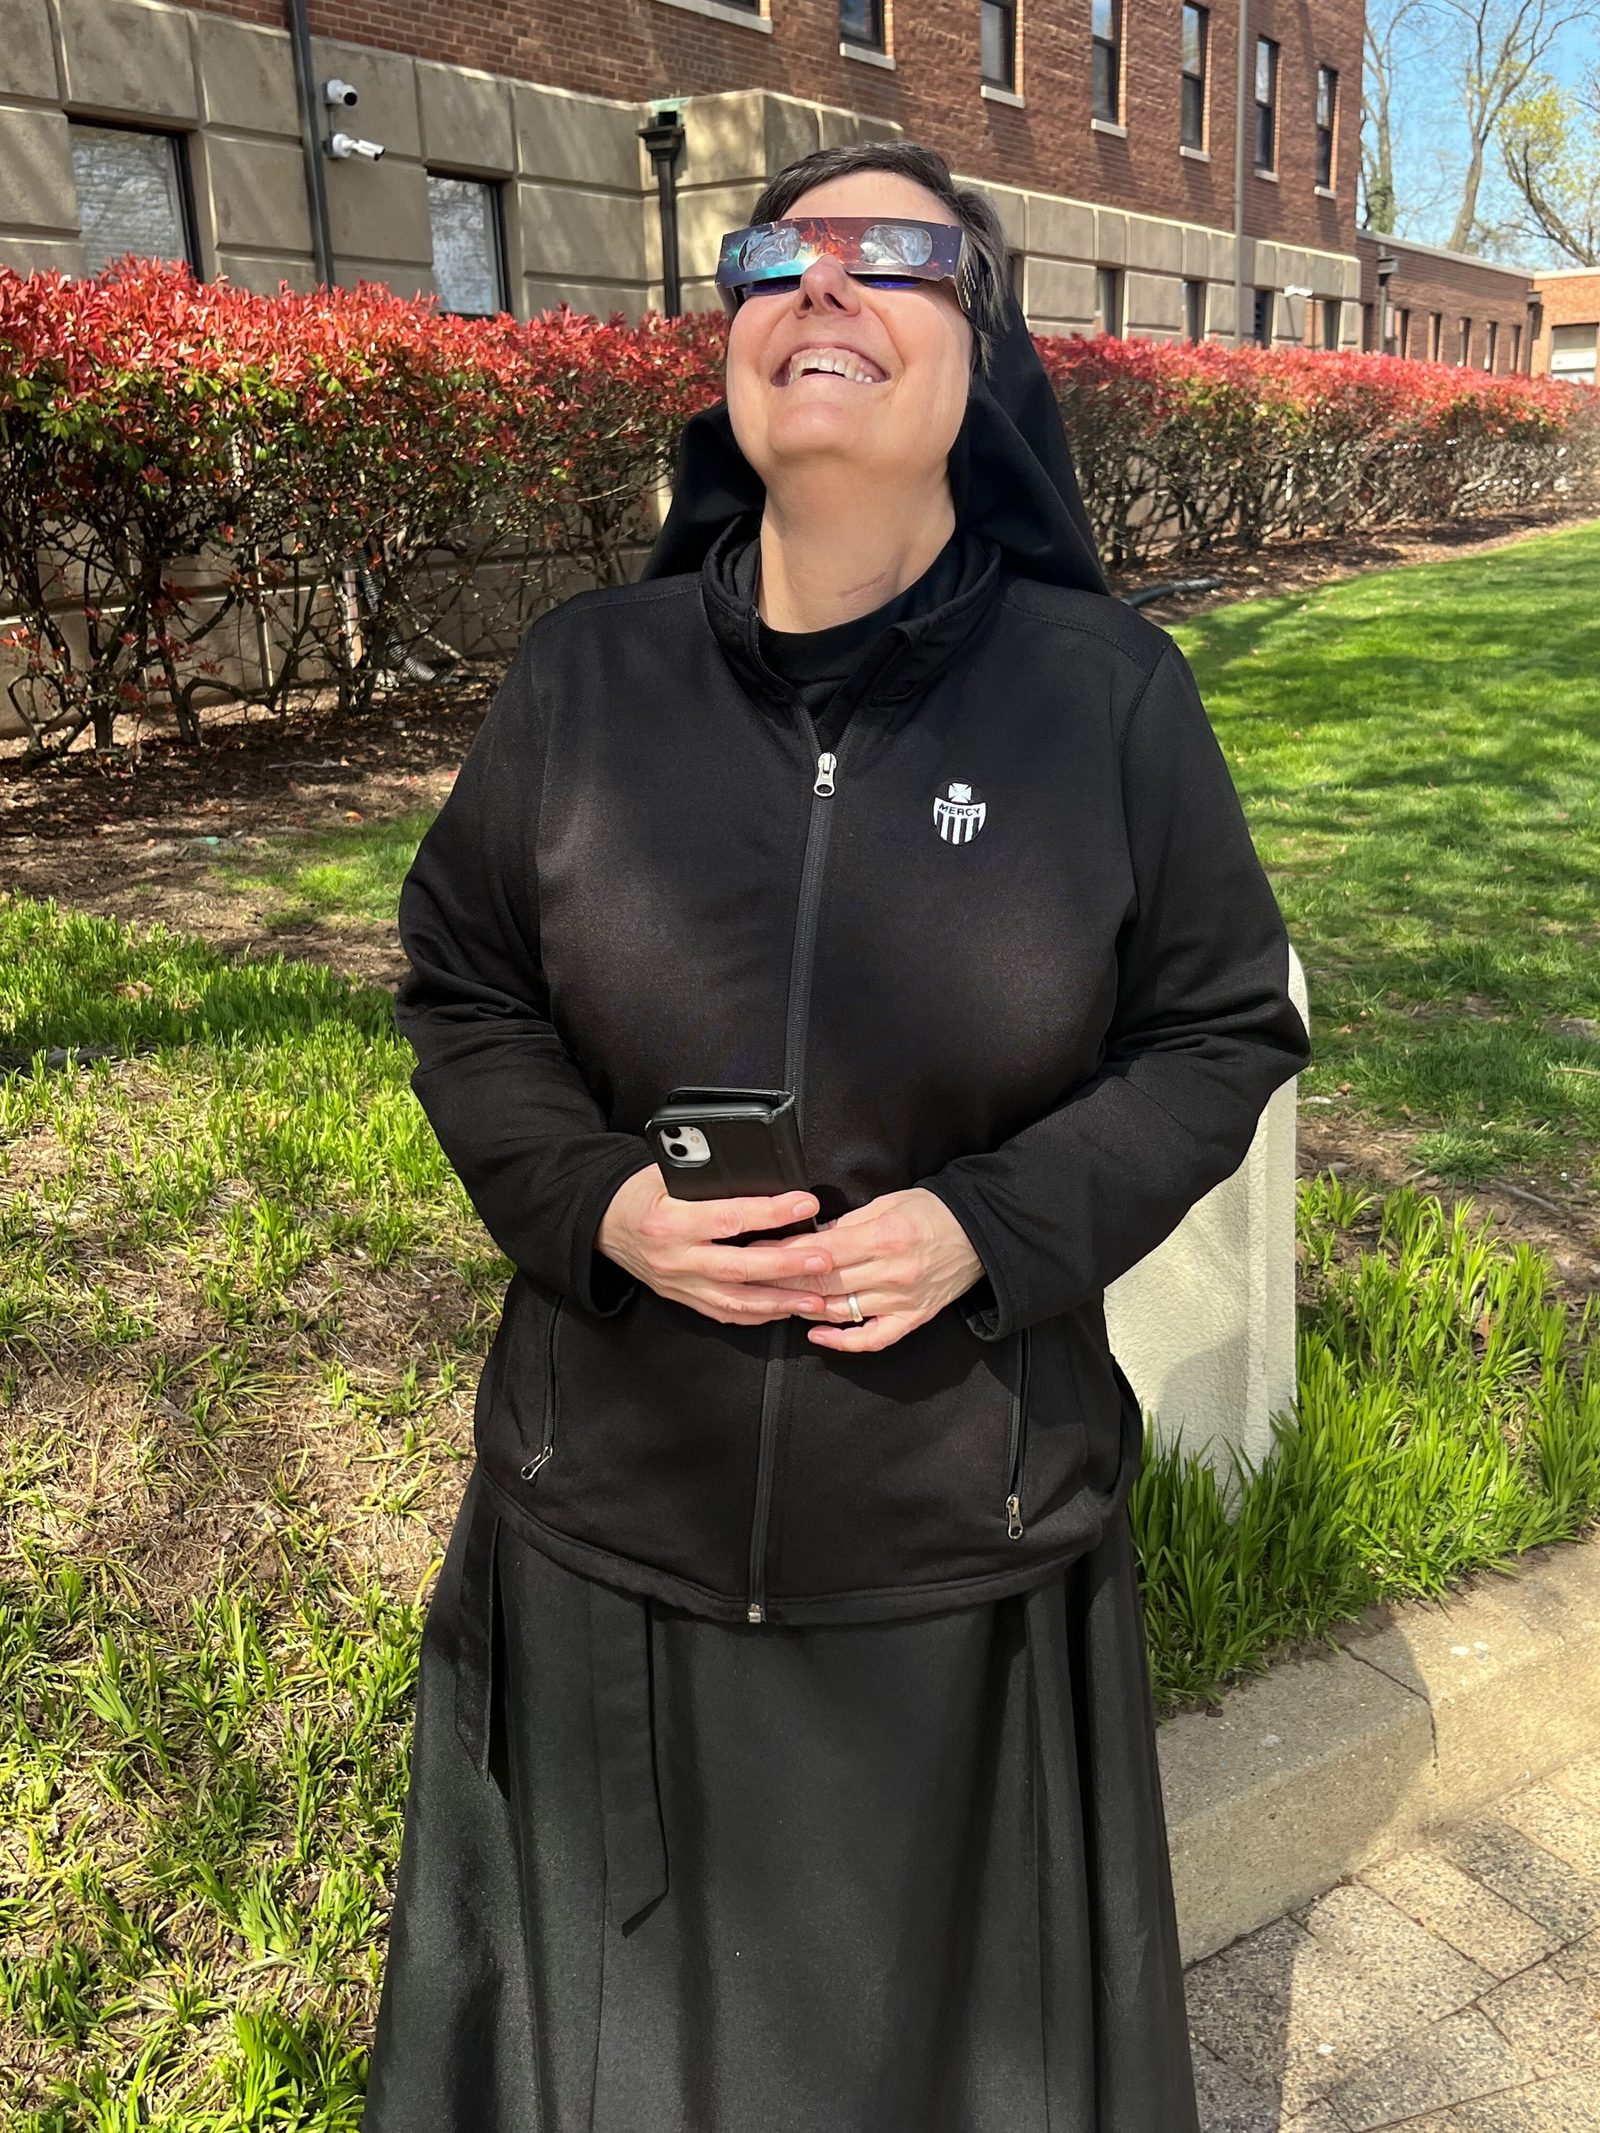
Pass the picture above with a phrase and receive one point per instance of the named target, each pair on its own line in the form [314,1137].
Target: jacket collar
[899,663]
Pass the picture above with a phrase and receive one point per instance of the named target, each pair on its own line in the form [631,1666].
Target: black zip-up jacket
[1010,941]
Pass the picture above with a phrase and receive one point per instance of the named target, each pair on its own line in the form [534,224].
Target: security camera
[341,92]
[344,145]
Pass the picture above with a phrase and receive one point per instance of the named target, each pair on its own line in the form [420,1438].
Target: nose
[826,283]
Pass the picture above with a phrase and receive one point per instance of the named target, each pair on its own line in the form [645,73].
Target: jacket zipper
[1019,1440]
[547,1439]
[823,783]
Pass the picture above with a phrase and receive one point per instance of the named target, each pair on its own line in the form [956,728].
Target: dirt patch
[1560,1218]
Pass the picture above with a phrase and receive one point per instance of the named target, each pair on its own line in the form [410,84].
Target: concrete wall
[576,188]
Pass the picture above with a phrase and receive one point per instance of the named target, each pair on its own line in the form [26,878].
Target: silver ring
[856,1315]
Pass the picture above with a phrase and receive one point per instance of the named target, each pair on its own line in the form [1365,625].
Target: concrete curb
[1420,1716]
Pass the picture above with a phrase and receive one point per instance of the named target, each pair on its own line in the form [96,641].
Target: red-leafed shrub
[1180,446]
[213,494]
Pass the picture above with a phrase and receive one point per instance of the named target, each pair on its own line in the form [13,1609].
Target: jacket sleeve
[511,1110]
[1204,1029]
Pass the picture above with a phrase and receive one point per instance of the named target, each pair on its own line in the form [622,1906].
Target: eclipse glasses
[889,252]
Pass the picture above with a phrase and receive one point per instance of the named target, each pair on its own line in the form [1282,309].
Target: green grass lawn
[1419,754]
[243,1303]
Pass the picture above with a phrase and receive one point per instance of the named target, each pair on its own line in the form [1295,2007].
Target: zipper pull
[755,1612]
[1014,1518]
[827,764]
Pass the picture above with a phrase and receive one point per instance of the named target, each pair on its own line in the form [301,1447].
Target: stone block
[579,140]
[246,76]
[1222,256]
[843,129]
[28,52]
[543,292]
[379,211]
[1155,247]
[1057,289]
[572,234]
[129,57]
[1110,237]
[36,156]
[264,275]
[387,82]
[1010,207]
[791,129]
[42,255]
[725,138]
[404,278]
[1154,304]
[258,195]
[1059,229]
[1196,253]
[703,216]
[467,121]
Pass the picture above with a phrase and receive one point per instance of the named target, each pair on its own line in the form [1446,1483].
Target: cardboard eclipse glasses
[891,252]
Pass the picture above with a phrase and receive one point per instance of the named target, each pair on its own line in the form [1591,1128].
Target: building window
[1194,310]
[1262,321]
[1491,346]
[997,42]
[1327,122]
[1331,308]
[1108,300]
[1516,345]
[1402,339]
[1466,340]
[1572,354]
[861,22]
[1106,21]
[1014,273]
[1366,329]
[133,195]
[1436,337]
[1266,104]
[1196,53]
[468,249]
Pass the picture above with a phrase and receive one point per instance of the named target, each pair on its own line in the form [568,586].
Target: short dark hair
[925,166]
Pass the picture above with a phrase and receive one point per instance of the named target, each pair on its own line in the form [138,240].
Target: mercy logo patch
[959,813]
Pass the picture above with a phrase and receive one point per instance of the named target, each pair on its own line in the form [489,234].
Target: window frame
[1263,311]
[1110,280]
[495,188]
[1200,77]
[1111,47]
[1435,336]
[1266,109]
[1491,344]
[1196,296]
[1007,9]
[878,42]
[1466,344]
[1327,164]
[1332,323]
[177,139]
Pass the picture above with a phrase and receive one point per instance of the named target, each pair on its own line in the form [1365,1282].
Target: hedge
[211,494]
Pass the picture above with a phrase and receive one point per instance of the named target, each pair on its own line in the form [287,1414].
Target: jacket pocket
[547,1433]
[1016,1472]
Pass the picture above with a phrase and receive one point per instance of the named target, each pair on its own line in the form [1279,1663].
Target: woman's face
[915,343]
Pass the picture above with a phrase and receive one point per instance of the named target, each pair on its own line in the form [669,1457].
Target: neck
[827,558]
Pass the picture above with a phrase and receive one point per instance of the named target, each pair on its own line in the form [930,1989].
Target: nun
[784,1754]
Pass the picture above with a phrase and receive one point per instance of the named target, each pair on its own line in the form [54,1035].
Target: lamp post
[1387,267]
[663,137]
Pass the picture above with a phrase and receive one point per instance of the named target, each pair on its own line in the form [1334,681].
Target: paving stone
[1524,1873]
[1319,2119]
[1548,2019]
[1579,1964]
[1306,2001]
[1449,1902]
[1462,2056]
[1567,2104]
[1230,2104]
[1556,1820]
[1581,1778]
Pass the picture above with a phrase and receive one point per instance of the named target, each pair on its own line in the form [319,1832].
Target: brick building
[514,174]
[1434,306]
[1568,345]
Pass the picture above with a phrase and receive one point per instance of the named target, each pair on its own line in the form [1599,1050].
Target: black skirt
[666,1875]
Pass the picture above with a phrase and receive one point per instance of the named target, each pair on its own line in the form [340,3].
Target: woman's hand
[904,1255]
[668,1244]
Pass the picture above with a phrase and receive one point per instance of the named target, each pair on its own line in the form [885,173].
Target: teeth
[829,359]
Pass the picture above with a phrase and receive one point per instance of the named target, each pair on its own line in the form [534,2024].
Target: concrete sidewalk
[1450,1988]
[1386,1857]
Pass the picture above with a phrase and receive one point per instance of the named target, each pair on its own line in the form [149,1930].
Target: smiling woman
[785,1756]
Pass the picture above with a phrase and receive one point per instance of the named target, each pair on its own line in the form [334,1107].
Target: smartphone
[724,1144]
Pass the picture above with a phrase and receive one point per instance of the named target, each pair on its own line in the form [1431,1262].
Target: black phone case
[754,1141]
